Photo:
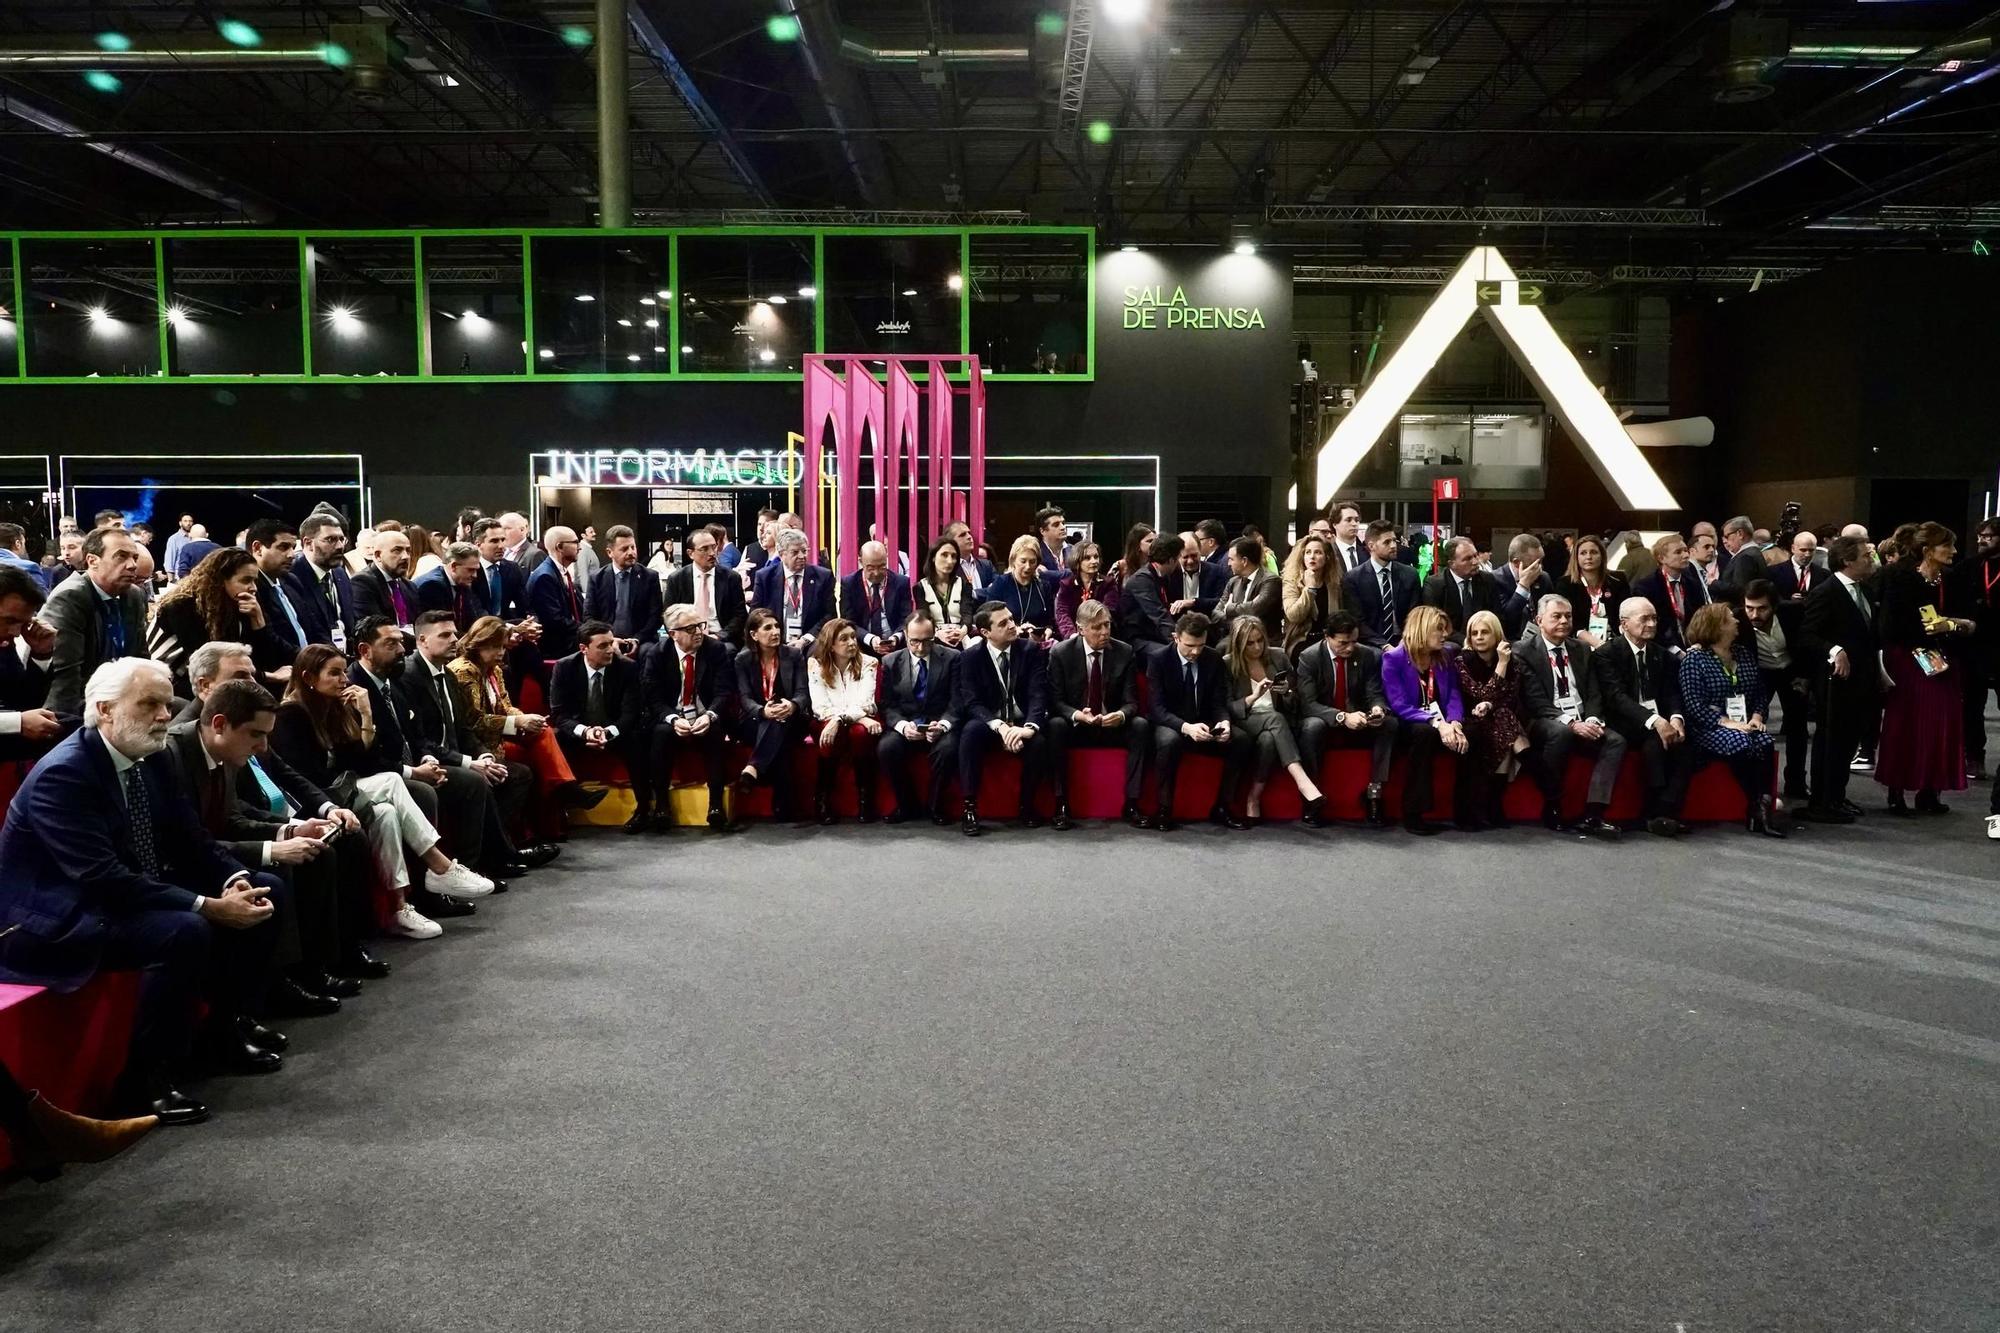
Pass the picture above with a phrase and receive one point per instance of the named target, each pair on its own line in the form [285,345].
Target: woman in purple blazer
[1421,682]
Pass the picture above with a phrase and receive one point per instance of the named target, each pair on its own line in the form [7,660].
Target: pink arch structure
[906,428]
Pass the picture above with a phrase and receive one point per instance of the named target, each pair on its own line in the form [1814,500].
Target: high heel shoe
[1766,820]
[1898,807]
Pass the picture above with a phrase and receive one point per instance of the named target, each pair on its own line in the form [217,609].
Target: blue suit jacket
[314,614]
[1364,598]
[67,863]
[1034,604]
[644,608]
[436,592]
[815,594]
[512,604]
[549,604]
[270,592]
[895,604]
[975,697]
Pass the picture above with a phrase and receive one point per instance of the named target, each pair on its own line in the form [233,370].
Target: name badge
[1600,625]
[792,627]
[1569,706]
[1433,712]
[1737,708]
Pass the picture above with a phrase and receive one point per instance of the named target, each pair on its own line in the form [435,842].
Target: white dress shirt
[10,720]
[845,697]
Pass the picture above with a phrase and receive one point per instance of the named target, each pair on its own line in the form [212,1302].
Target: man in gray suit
[1094,702]
[1565,714]
[916,714]
[99,615]
[1252,590]
[1342,705]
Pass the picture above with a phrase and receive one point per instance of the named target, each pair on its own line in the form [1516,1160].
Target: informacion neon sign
[670,467]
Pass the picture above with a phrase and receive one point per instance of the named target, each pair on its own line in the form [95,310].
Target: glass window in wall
[602,305]
[233,307]
[1030,303]
[893,294]
[92,308]
[472,291]
[10,318]
[746,304]
[1487,451]
[364,316]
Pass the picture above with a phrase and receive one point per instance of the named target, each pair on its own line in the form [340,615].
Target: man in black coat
[1342,705]
[1188,687]
[1382,592]
[382,588]
[688,684]
[1461,589]
[625,594]
[596,706]
[1564,714]
[703,578]
[1148,608]
[1000,700]
[1840,643]
[1094,703]
[917,684]
[1639,690]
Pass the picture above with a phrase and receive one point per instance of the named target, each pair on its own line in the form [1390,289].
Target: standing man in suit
[917,684]
[383,588]
[1188,701]
[877,599]
[1638,683]
[1742,558]
[1793,579]
[1094,704]
[518,544]
[587,564]
[555,594]
[1383,590]
[1149,606]
[1252,590]
[1461,589]
[714,592]
[28,727]
[1522,583]
[1840,642]
[1781,662]
[981,572]
[688,684]
[1000,701]
[1674,588]
[596,703]
[1343,705]
[1213,539]
[796,591]
[451,587]
[274,545]
[1565,715]
[322,590]
[625,596]
[1051,533]
[99,616]
[1347,543]
[105,867]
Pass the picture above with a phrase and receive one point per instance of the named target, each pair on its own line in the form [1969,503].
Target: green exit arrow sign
[1494,293]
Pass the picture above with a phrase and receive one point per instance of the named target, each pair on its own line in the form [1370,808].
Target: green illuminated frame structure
[16,299]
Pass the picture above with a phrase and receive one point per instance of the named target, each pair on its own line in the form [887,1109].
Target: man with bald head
[555,595]
[1796,577]
[713,591]
[877,599]
[383,587]
[1638,685]
[520,546]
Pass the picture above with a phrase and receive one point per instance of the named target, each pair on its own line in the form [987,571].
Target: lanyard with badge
[1567,702]
[1600,614]
[1427,683]
[1736,708]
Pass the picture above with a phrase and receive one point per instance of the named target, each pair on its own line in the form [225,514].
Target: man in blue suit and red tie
[1000,700]
[554,595]
[450,587]
[105,866]
[877,599]
[796,591]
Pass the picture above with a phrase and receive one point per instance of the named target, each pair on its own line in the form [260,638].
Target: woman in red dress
[1922,748]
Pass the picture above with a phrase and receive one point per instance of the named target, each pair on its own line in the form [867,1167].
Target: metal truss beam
[837,217]
[661,54]
[1435,275]
[1438,215]
[1077,40]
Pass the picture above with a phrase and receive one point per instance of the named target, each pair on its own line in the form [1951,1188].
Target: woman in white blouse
[841,683]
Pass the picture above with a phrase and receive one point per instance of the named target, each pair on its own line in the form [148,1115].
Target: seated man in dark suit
[321,588]
[105,867]
[877,599]
[1198,585]
[1000,701]
[796,591]
[383,588]
[689,685]
[1564,714]
[28,728]
[1522,583]
[714,592]
[1382,591]
[917,683]
[1639,683]
[1094,704]
[1461,589]
[1343,705]
[449,587]
[625,594]
[595,698]
[1252,590]
[1147,608]
[1675,589]
[555,596]
[1189,708]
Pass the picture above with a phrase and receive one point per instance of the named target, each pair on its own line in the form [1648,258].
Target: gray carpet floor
[832,1080]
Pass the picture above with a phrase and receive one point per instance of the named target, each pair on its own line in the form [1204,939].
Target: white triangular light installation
[1550,365]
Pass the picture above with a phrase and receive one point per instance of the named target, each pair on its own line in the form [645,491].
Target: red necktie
[1096,700]
[569,586]
[687,682]
[460,612]
[1340,684]
[1562,672]
[1805,579]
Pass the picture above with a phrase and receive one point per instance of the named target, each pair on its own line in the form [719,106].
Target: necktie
[273,797]
[1388,605]
[1562,672]
[326,590]
[1640,658]
[114,627]
[139,810]
[212,796]
[1340,684]
[461,610]
[875,606]
[396,600]
[1007,712]
[1095,700]
[1187,669]
[493,588]
[1861,603]
[593,704]
[1805,579]
[923,687]
[1464,602]
[443,690]
[569,587]
[704,601]
[687,682]
[792,596]
[622,601]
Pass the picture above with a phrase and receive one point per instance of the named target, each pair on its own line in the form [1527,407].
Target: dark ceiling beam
[662,54]
[839,97]
[1219,78]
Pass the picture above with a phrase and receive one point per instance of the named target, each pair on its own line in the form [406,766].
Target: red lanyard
[1678,598]
[1427,683]
[770,678]
[1990,573]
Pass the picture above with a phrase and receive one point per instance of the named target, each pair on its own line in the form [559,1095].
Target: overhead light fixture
[547,354]
[666,295]
[651,323]
[658,348]
[808,292]
[475,324]
[909,291]
[1129,248]
[343,319]
[955,282]
[585,296]
[767,355]
[103,81]
[176,316]
[238,33]
[774,300]
[646,300]
[113,41]
[631,356]
[471,314]
[1246,247]
[687,350]
[624,323]
[1124,11]
[1551,367]
[99,315]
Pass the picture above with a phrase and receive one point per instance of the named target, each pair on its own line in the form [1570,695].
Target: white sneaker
[460,881]
[414,925]
[1860,764]
[1993,827]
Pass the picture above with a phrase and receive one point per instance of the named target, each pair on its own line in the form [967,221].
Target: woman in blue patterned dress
[1723,699]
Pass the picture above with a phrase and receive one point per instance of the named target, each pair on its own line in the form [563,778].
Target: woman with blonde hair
[1723,699]
[500,727]
[1263,708]
[1421,682]
[1026,589]
[841,684]
[1496,740]
[1311,585]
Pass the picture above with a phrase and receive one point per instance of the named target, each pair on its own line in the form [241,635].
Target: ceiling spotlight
[646,300]
[99,315]
[808,292]
[955,283]
[776,300]
[767,355]
[1129,248]
[238,33]
[1246,247]
[658,348]
[624,323]
[1124,11]
[103,81]
[631,356]
[585,296]
[666,295]
[176,316]
[475,325]
[343,319]
[547,354]
[471,314]
[909,291]
[652,323]
[687,350]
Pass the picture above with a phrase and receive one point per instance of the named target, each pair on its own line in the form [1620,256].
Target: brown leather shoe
[75,1138]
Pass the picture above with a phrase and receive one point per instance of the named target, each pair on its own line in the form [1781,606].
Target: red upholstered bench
[69,1047]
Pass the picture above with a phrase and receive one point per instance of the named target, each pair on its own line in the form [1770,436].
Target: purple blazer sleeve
[1399,682]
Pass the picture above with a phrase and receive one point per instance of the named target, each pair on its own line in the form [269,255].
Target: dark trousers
[1845,714]
[1421,747]
[1668,770]
[1135,737]
[853,746]
[475,820]
[768,740]
[1554,742]
[310,934]
[1170,745]
[977,740]
[665,744]
[633,750]
[1317,736]
[895,752]
[1792,690]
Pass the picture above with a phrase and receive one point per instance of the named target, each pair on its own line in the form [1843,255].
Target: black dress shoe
[1373,808]
[263,1038]
[897,816]
[291,1000]
[1029,819]
[231,1054]
[1552,819]
[1422,828]
[170,1104]
[637,823]
[968,823]
[941,817]
[324,983]
[358,962]
[1315,813]
[1663,828]
[438,907]
[1134,816]
[1228,818]
[506,870]
[718,819]
[1898,808]
[1596,826]
[575,796]
[1165,821]
[662,821]
[1062,823]
[538,855]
